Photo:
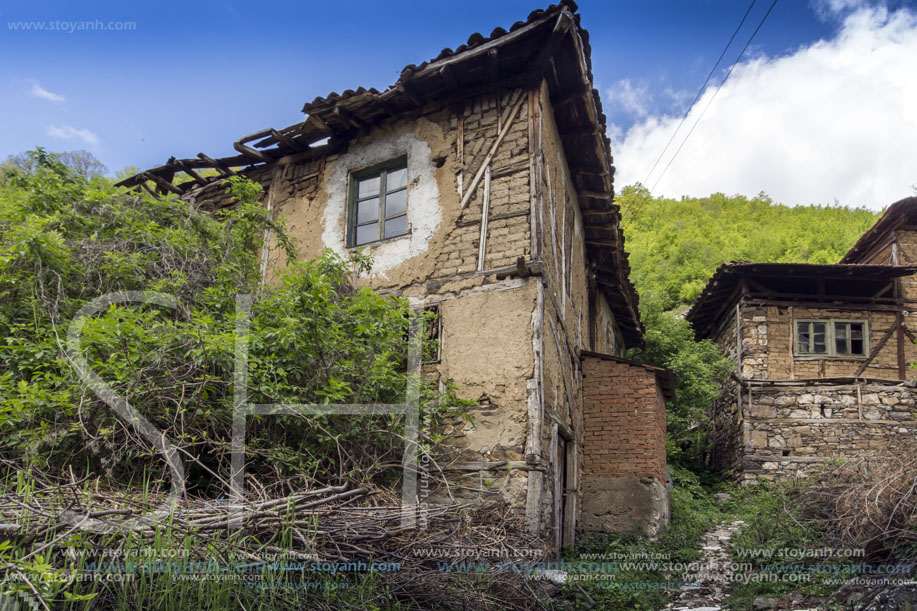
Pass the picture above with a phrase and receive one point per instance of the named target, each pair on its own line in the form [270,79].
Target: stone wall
[624,472]
[790,429]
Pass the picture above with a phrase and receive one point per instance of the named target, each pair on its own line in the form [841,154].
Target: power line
[700,91]
[726,78]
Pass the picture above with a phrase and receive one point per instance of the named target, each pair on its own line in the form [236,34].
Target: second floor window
[831,338]
[379,202]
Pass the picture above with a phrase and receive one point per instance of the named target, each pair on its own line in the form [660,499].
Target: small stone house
[823,354]
[481,183]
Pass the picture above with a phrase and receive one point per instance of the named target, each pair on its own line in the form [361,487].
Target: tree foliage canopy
[66,239]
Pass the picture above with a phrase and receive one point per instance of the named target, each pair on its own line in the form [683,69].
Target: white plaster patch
[424,213]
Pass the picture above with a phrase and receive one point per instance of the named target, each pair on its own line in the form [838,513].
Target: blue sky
[180,78]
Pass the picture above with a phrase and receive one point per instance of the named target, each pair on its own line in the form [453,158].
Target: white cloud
[40,92]
[628,98]
[833,121]
[67,132]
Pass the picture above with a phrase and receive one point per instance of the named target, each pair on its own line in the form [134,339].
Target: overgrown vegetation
[675,245]
[631,572]
[68,237]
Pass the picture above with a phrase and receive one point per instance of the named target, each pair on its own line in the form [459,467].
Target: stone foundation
[789,430]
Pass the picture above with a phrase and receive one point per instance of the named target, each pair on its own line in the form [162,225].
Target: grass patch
[628,571]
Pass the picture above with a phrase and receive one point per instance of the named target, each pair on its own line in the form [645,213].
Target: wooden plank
[346,117]
[162,182]
[876,350]
[485,211]
[287,140]
[218,165]
[493,149]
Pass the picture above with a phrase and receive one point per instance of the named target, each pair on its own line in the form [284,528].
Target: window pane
[856,346]
[367,187]
[856,330]
[368,211]
[396,226]
[396,203]
[802,337]
[819,345]
[396,179]
[857,338]
[840,338]
[367,233]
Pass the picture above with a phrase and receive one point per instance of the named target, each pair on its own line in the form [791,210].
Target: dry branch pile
[869,504]
[337,524]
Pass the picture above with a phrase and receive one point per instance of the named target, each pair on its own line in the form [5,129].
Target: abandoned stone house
[481,183]
[823,354]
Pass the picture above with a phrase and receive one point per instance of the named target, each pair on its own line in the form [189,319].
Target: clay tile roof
[902,212]
[549,45]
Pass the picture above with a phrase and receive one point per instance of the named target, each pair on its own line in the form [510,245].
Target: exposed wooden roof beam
[346,117]
[162,182]
[218,165]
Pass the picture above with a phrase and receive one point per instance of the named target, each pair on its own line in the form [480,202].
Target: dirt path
[708,588]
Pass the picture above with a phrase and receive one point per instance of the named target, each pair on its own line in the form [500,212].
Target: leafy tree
[82,162]
[675,245]
[66,239]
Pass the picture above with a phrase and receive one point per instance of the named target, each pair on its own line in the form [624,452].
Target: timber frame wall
[506,149]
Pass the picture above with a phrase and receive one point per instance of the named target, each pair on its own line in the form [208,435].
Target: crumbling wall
[487,316]
[624,472]
[791,429]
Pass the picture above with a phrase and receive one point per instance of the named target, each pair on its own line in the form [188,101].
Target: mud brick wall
[508,228]
[788,431]
[624,416]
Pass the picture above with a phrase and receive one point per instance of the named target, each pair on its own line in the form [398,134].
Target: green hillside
[675,245]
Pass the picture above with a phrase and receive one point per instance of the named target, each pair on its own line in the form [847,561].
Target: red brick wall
[624,418]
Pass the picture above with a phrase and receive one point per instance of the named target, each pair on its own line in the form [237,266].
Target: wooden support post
[792,344]
[268,234]
[485,211]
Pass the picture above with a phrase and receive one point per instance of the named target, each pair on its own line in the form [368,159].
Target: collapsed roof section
[825,285]
[550,44]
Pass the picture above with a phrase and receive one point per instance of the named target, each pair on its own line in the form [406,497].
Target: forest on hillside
[676,244]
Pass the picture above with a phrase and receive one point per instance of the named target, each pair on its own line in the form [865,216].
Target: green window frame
[830,338]
[378,203]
